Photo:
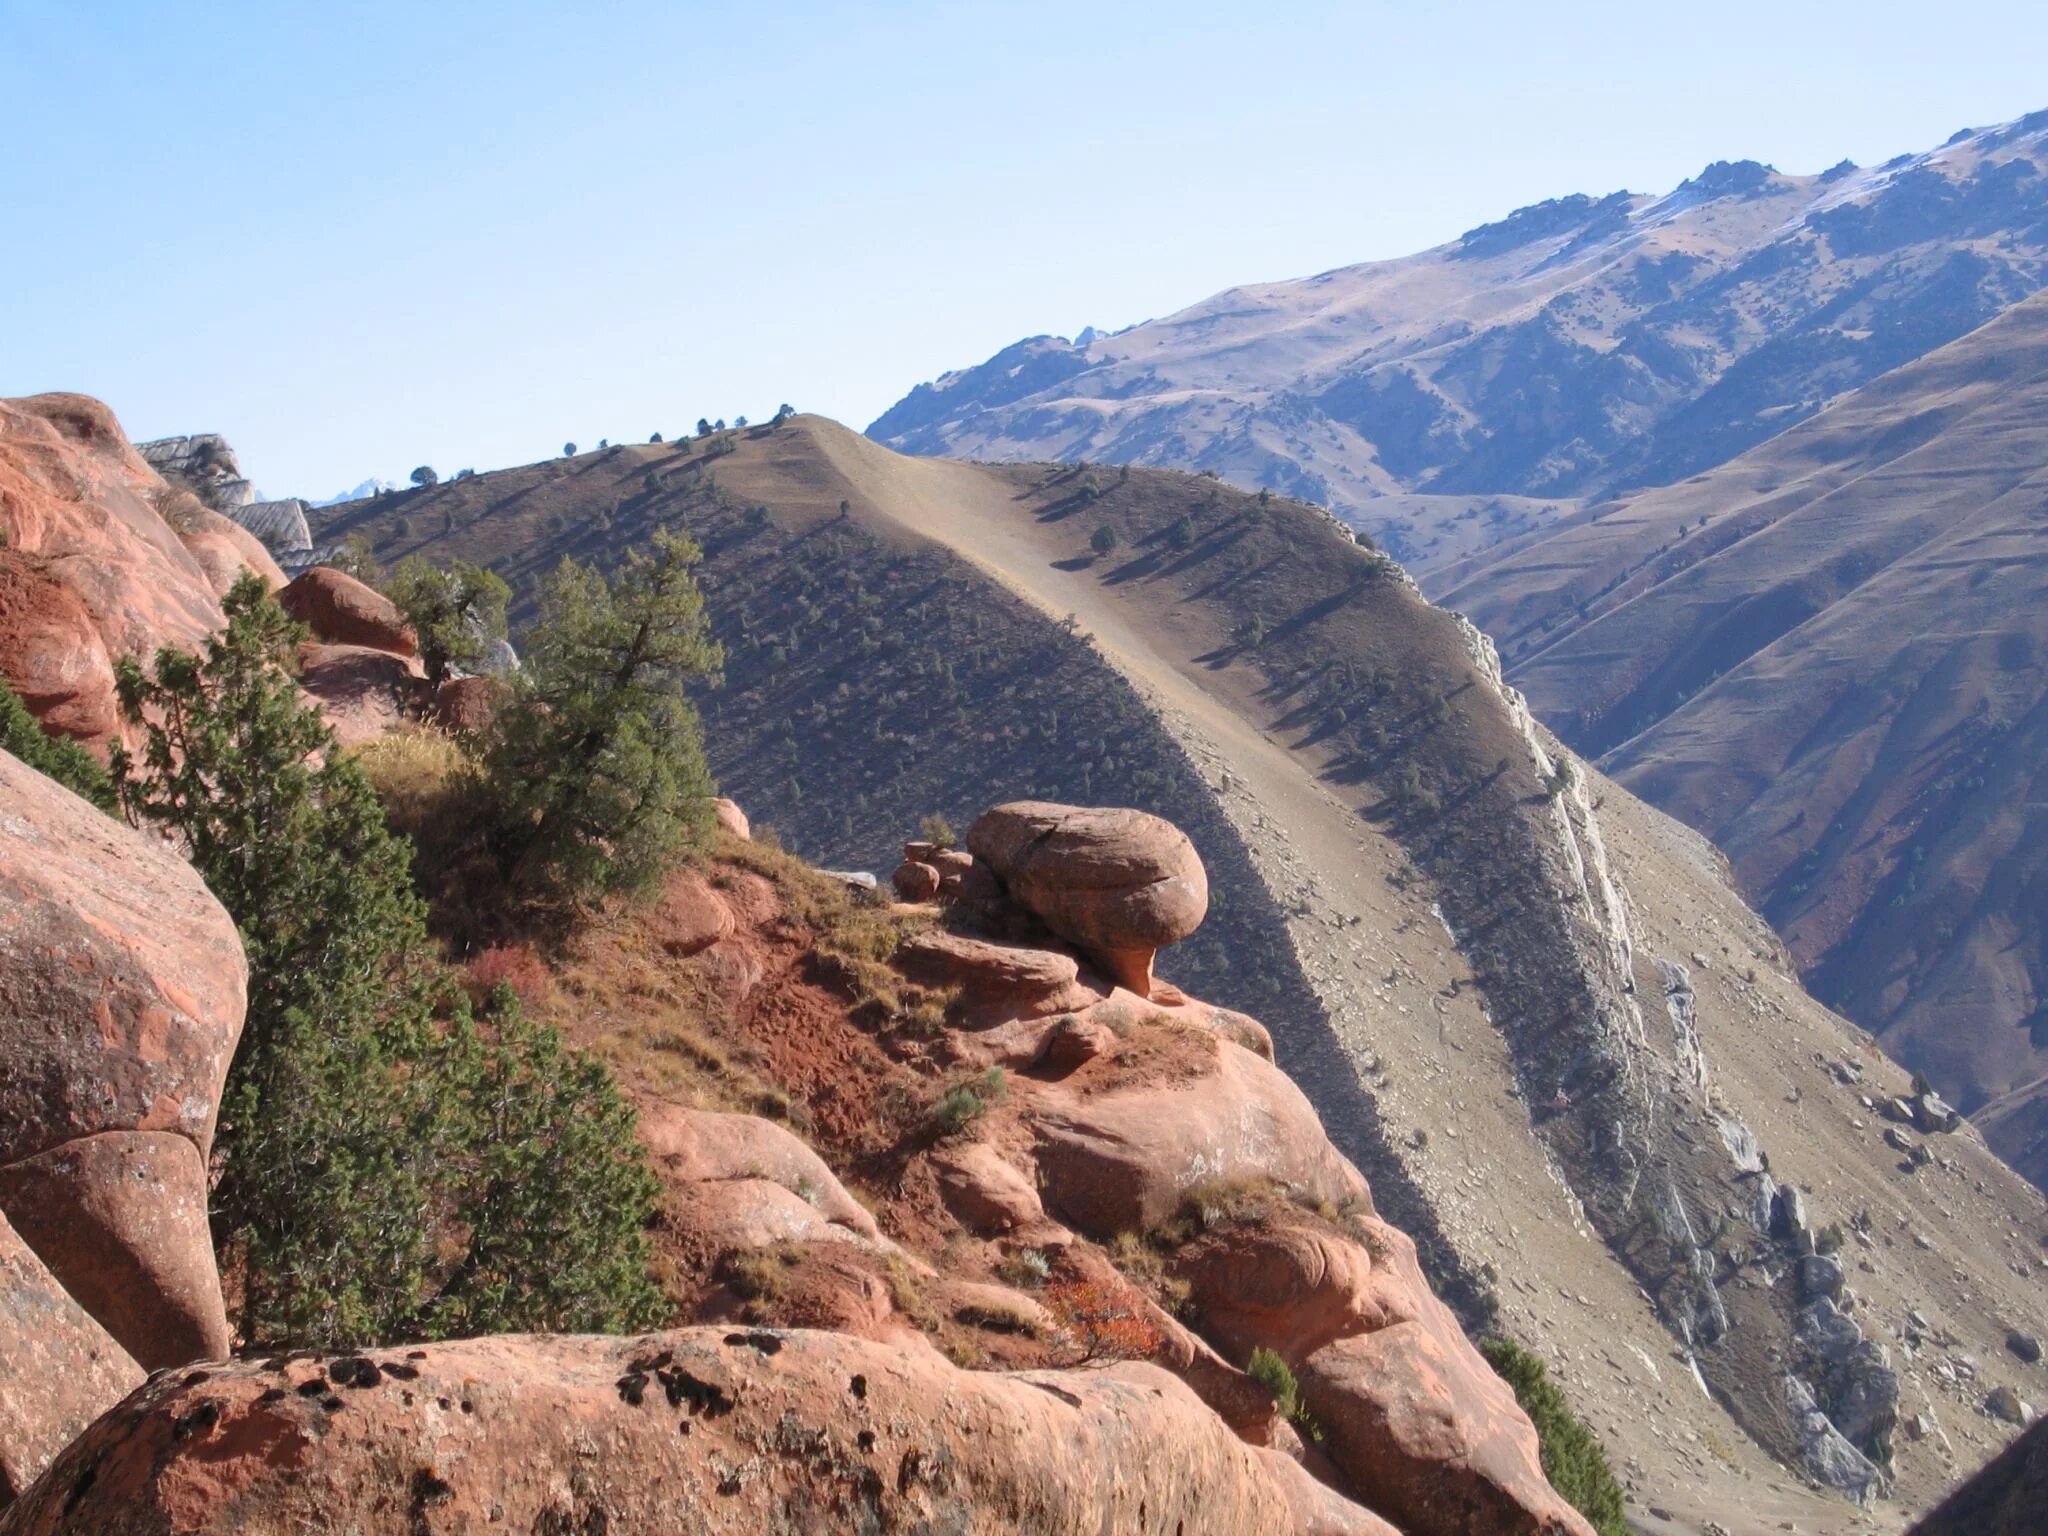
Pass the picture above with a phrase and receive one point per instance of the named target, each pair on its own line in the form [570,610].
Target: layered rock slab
[701,1430]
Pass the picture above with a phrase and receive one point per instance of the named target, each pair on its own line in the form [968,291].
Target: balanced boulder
[1119,884]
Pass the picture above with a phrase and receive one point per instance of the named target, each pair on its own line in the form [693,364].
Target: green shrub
[1272,1373]
[391,1168]
[55,757]
[457,612]
[1572,1456]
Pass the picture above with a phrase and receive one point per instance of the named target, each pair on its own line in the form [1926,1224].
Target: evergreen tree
[457,612]
[599,768]
[360,1129]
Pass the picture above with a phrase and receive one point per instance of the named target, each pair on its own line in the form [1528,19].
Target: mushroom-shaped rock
[59,1370]
[695,1430]
[121,996]
[915,880]
[343,611]
[1120,884]
[732,818]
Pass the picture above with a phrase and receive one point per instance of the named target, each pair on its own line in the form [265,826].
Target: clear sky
[358,236]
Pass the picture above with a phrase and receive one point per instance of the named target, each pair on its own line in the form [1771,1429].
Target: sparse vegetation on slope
[57,757]
[392,1167]
[1572,1456]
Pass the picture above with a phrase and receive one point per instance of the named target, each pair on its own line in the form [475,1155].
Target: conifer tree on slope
[389,1171]
[598,770]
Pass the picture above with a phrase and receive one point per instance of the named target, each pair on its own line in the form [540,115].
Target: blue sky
[356,237]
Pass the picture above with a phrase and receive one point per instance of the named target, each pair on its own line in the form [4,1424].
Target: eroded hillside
[1830,655]
[1529,1001]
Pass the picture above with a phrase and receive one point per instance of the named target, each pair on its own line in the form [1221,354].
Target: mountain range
[1746,480]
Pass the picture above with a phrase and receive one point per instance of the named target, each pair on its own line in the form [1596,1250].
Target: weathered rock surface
[78,511]
[692,916]
[59,1370]
[468,703]
[701,1430]
[122,981]
[916,880]
[122,987]
[343,611]
[1123,1158]
[120,1219]
[361,691]
[732,818]
[998,982]
[1121,884]
[225,549]
[703,1147]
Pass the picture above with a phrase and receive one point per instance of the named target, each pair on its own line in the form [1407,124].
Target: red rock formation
[360,691]
[59,1370]
[343,611]
[79,513]
[916,880]
[121,997]
[1120,884]
[699,1431]
[468,703]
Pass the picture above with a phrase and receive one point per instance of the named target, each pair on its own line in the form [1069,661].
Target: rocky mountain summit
[1451,400]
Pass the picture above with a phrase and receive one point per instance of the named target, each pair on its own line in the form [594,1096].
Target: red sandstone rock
[703,1430]
[468,703]
[121,996]
[51,653]
[121,978]
[362,692]
[701,1146]
[1122,1159]
[985,1192]
[998,982]
[692,916]
[732,818]
[343,611]
[120,1219]
[78,506]
[59,1370]
[1119,883]
[224,548]
[916,881]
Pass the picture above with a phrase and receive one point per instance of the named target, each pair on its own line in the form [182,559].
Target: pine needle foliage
[598,769]
[1573,1459]
[457,611]
[392,1167]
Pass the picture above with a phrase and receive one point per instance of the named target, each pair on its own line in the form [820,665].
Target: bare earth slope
[1831,656]
[1576,346]
[1513,966]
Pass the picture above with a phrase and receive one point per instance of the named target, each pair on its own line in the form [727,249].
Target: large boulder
[122,987]
[700,1431]
[362,692]
[1123,1155]
[998,982]
[705,1147]
[1120,884]
[59,1370]
[80,510]
[344,611]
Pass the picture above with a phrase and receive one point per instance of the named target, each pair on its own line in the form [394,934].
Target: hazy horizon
[382,238]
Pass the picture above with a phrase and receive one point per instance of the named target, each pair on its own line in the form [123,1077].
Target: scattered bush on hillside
[937,831]
[425,475]
[597,771]
[1103,540]
[1572,1456]
[390,1169]
[457,611]
[55,757]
